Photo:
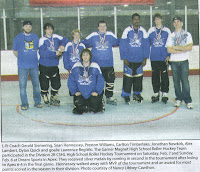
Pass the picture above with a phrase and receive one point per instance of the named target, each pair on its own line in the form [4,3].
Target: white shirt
[185,38]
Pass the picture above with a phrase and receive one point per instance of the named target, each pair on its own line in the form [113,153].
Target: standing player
[102,42]
[51,47]
[25,47]
[86,83]
[73,50]
[134,50]
[159,59]
[179,44]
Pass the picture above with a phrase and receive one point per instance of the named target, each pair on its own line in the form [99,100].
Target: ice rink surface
[145,121]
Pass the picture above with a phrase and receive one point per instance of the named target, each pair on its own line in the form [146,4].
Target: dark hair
[86,50]
[48,25]
[102,21]
[135,14]
[157,15]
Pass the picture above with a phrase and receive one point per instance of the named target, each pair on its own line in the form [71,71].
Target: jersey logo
[100,46]
[159,42]
[75,57]
[135,41]
[85,79]
[29,45]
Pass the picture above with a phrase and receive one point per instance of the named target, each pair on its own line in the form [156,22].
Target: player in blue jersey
[158,35]
[51,47]
[134,50]
[102,42]
[25,47]
[86,84]
[72,51]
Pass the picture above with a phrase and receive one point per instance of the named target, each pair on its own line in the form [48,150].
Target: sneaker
[24,108]
[189,106]
[178,103]
[39,106]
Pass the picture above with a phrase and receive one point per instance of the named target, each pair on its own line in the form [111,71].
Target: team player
[51,47]
[159,57]
[102,42]
[25,47]
[179,44]
[134,50]
[72,51]
[86,84]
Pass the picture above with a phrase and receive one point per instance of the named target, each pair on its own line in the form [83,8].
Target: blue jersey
[26,45]
[86,80]
[48,47]
[134,44]
[72,54]
[158,39]
[102,47]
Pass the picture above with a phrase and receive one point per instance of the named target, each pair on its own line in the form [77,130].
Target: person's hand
[58,53]
[144,62]
[126,62]
[167,60]
[77,93]
[94,94]
[62,48]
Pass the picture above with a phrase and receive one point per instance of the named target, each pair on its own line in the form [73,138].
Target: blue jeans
[23,78]
[180,73]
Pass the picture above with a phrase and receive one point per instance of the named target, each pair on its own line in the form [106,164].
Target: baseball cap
[27,23]
[177,18]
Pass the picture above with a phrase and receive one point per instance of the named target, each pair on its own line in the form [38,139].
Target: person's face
[102,27]
[49,31]
[76,36]
[177,24]
[86,57]
[136,21]
[27,28]
[158,21]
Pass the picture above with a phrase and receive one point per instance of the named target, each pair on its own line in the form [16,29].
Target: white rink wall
[9,62]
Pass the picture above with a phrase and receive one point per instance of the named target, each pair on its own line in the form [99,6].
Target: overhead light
[169,2]
[126,5]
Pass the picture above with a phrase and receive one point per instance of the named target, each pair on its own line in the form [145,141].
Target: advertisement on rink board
[89,2]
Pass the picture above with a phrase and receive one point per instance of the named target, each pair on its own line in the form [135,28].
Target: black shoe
[127,99]
[137,98]
[164,100]
[155,99]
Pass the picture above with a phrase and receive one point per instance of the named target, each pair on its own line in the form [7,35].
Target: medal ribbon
[179,39]
[135,31]
[51,42]
[85,71]
[158,37]
[102,40]
[74,51]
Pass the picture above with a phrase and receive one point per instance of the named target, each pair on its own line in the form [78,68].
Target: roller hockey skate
[46,99]
[127,100]
[155,98]
[111,101]
[54,101]
[137,98]
[164,98]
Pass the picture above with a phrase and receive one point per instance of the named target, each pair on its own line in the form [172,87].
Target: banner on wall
[89,2]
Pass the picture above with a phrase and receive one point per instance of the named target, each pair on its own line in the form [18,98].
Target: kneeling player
[86,84]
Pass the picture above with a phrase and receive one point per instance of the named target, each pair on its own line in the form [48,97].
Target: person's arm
[184,48]
[15,53]
[172,50]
